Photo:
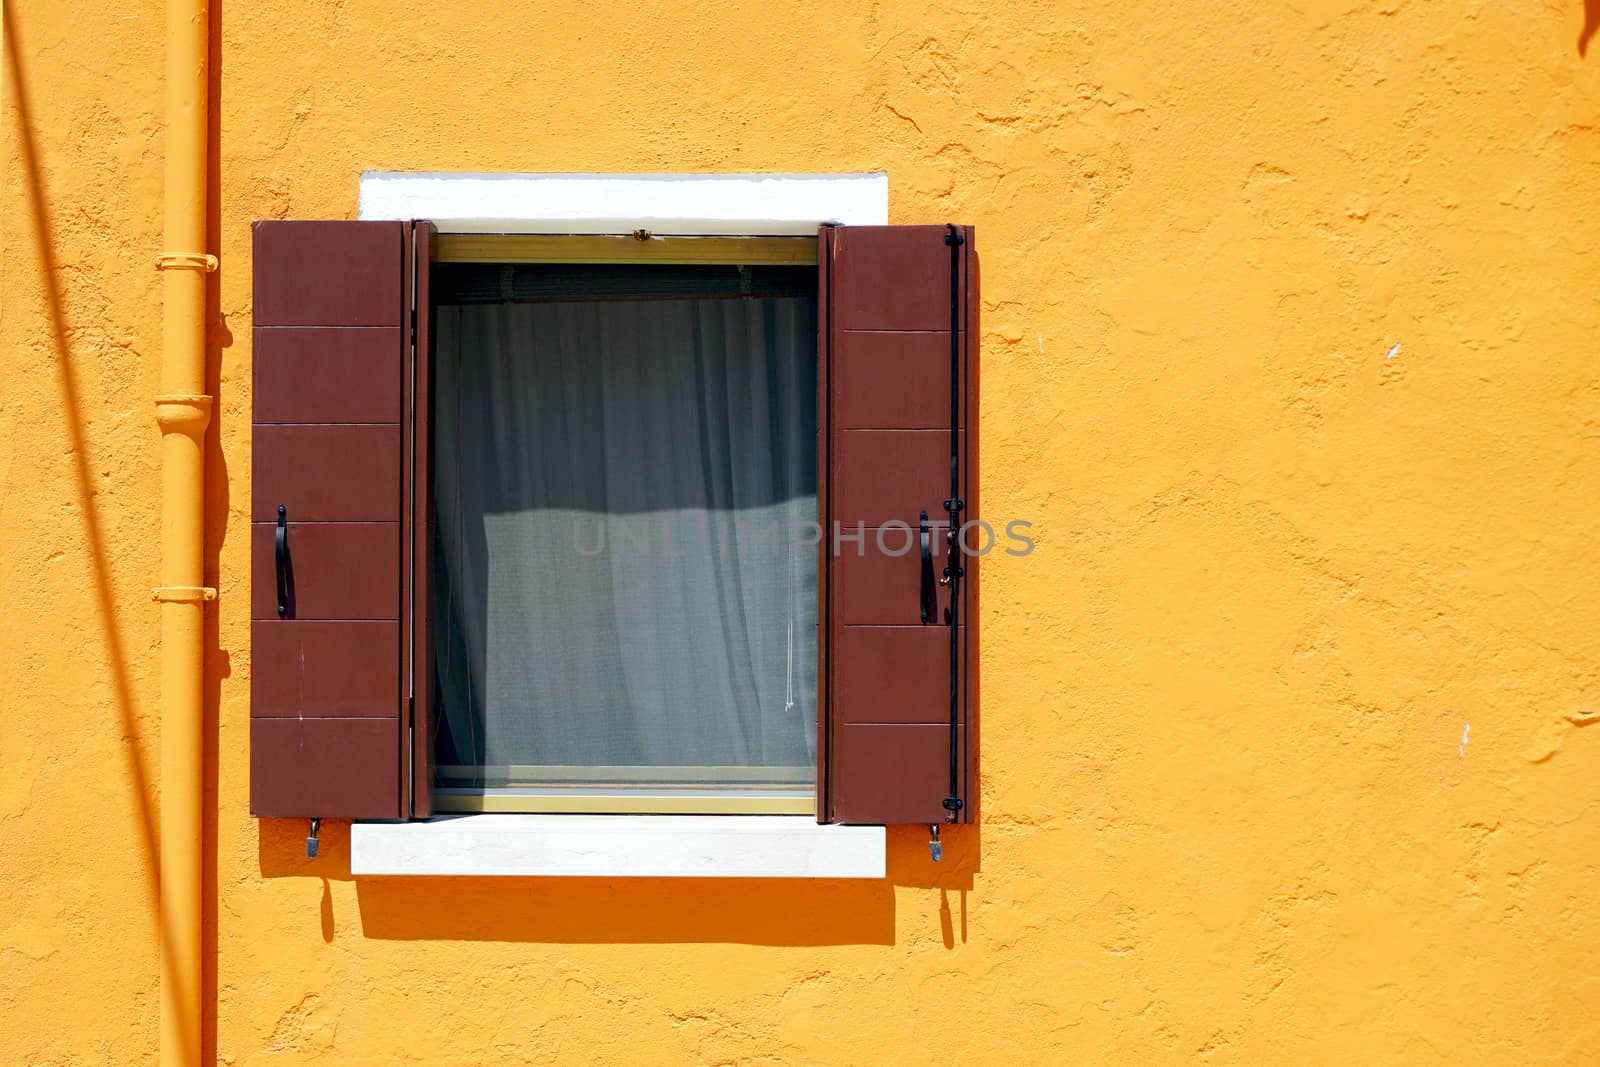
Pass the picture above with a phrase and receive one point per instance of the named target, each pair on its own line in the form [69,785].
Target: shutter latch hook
[935,849]
[311,842]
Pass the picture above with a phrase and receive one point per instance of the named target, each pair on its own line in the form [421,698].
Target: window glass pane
[625,572]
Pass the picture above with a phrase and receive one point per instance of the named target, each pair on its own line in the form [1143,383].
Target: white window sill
[619,846]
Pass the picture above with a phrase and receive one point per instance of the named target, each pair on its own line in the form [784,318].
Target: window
[445,428]
[624,572]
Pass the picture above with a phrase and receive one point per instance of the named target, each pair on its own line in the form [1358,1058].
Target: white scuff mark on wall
[1393,351]
[1461,749]
[1040,335]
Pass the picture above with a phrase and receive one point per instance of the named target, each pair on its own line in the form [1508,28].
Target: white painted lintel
[754,204]
[619,846]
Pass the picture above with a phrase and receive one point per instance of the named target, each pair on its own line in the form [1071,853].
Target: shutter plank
[889,458]
[327,473]
[892,278]
[892,773]
[895,674]
[324,768]
[325,669]
[879,475]
[329,273]
[339,570]
[326,374]
[893,380]
[877,588]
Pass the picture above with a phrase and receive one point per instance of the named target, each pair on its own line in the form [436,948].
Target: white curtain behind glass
[624,573]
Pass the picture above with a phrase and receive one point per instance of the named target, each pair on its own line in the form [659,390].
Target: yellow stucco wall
[1233,810]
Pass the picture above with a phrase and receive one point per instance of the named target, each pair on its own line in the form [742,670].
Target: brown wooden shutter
[329,712]
[420,533]
[886,325]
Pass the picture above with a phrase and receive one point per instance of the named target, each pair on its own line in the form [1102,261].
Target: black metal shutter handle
[283,561]
[930,596]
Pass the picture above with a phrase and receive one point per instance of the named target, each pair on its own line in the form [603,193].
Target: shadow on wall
[777,911]
[1591,23]
[65,364]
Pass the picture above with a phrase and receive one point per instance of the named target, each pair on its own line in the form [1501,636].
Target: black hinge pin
[954,505]
[311,842]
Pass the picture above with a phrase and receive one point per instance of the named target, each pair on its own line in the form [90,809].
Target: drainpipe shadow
[65,368]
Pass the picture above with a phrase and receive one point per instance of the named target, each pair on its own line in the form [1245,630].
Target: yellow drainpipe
[182,411]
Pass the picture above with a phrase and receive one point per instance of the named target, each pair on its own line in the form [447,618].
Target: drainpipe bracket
[183,594]
[203,261]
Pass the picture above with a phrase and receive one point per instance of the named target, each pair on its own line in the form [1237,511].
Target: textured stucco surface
[1233,807]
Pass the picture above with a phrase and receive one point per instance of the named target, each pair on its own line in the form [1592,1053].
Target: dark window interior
[624,584]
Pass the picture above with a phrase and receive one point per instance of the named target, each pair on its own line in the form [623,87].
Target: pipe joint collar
[183,412]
